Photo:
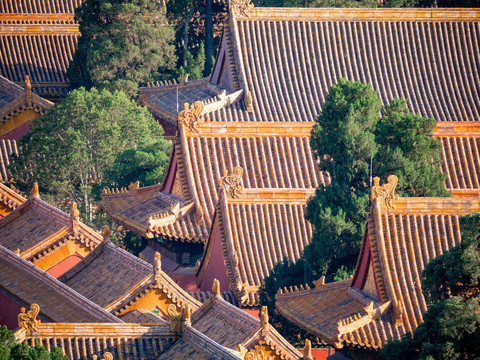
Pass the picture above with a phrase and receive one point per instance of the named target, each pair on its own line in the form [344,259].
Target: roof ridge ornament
[191,116]
[35,192]
[386,192]
[177,318]
[133,187]
[106,233]
[232,183]
[28,320]
[157,265]
[106,356]
[264,318]
[307,352]
[216,288]
[241,7]
[28,86]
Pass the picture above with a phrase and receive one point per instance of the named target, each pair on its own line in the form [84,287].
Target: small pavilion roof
[36,228]
[384,299]
[26,284]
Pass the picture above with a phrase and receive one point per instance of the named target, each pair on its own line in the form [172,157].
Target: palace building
[242,168]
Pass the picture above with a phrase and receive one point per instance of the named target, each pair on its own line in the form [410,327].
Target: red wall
[65,265]
[17,133]
[216,268]
[9,310]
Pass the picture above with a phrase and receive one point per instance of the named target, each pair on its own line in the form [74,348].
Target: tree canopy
[69,150]
[122,44]
[353,129]
[450,283]
[10,349]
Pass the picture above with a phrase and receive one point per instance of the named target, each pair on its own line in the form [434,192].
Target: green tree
[352,129]
[147,164]
[123,43]
[69,149]
[195,65]
[11,350]
[283,274]
[450,283]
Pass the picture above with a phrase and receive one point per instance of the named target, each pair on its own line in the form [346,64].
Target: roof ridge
[362,14]
[253,128]
[268,195]
[63,289]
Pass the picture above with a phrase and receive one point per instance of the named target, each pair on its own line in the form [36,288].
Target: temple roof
[200,162]
[45,235]
[39,6]
[384,299]
[257,229]
[82,341]
[7,148]
[285,60]
[461,156]
[107,274]
[217,330]
[233,329]
[38,39]
[36,228]
[26,284]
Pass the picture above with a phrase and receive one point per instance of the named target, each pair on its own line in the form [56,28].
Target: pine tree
[122,44]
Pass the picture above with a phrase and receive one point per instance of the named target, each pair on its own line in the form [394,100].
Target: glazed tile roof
[258,229]
[9,199]
[162,290]
[461,156]
[201,160]
[288,58]
[384,300]
[106,274]
[233,328]
[39,6]
[134,210]
[44,56]
[37,229]
[7,148]
[196,338]
[38,38]
[27,284]
[162,100]
[196,346]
